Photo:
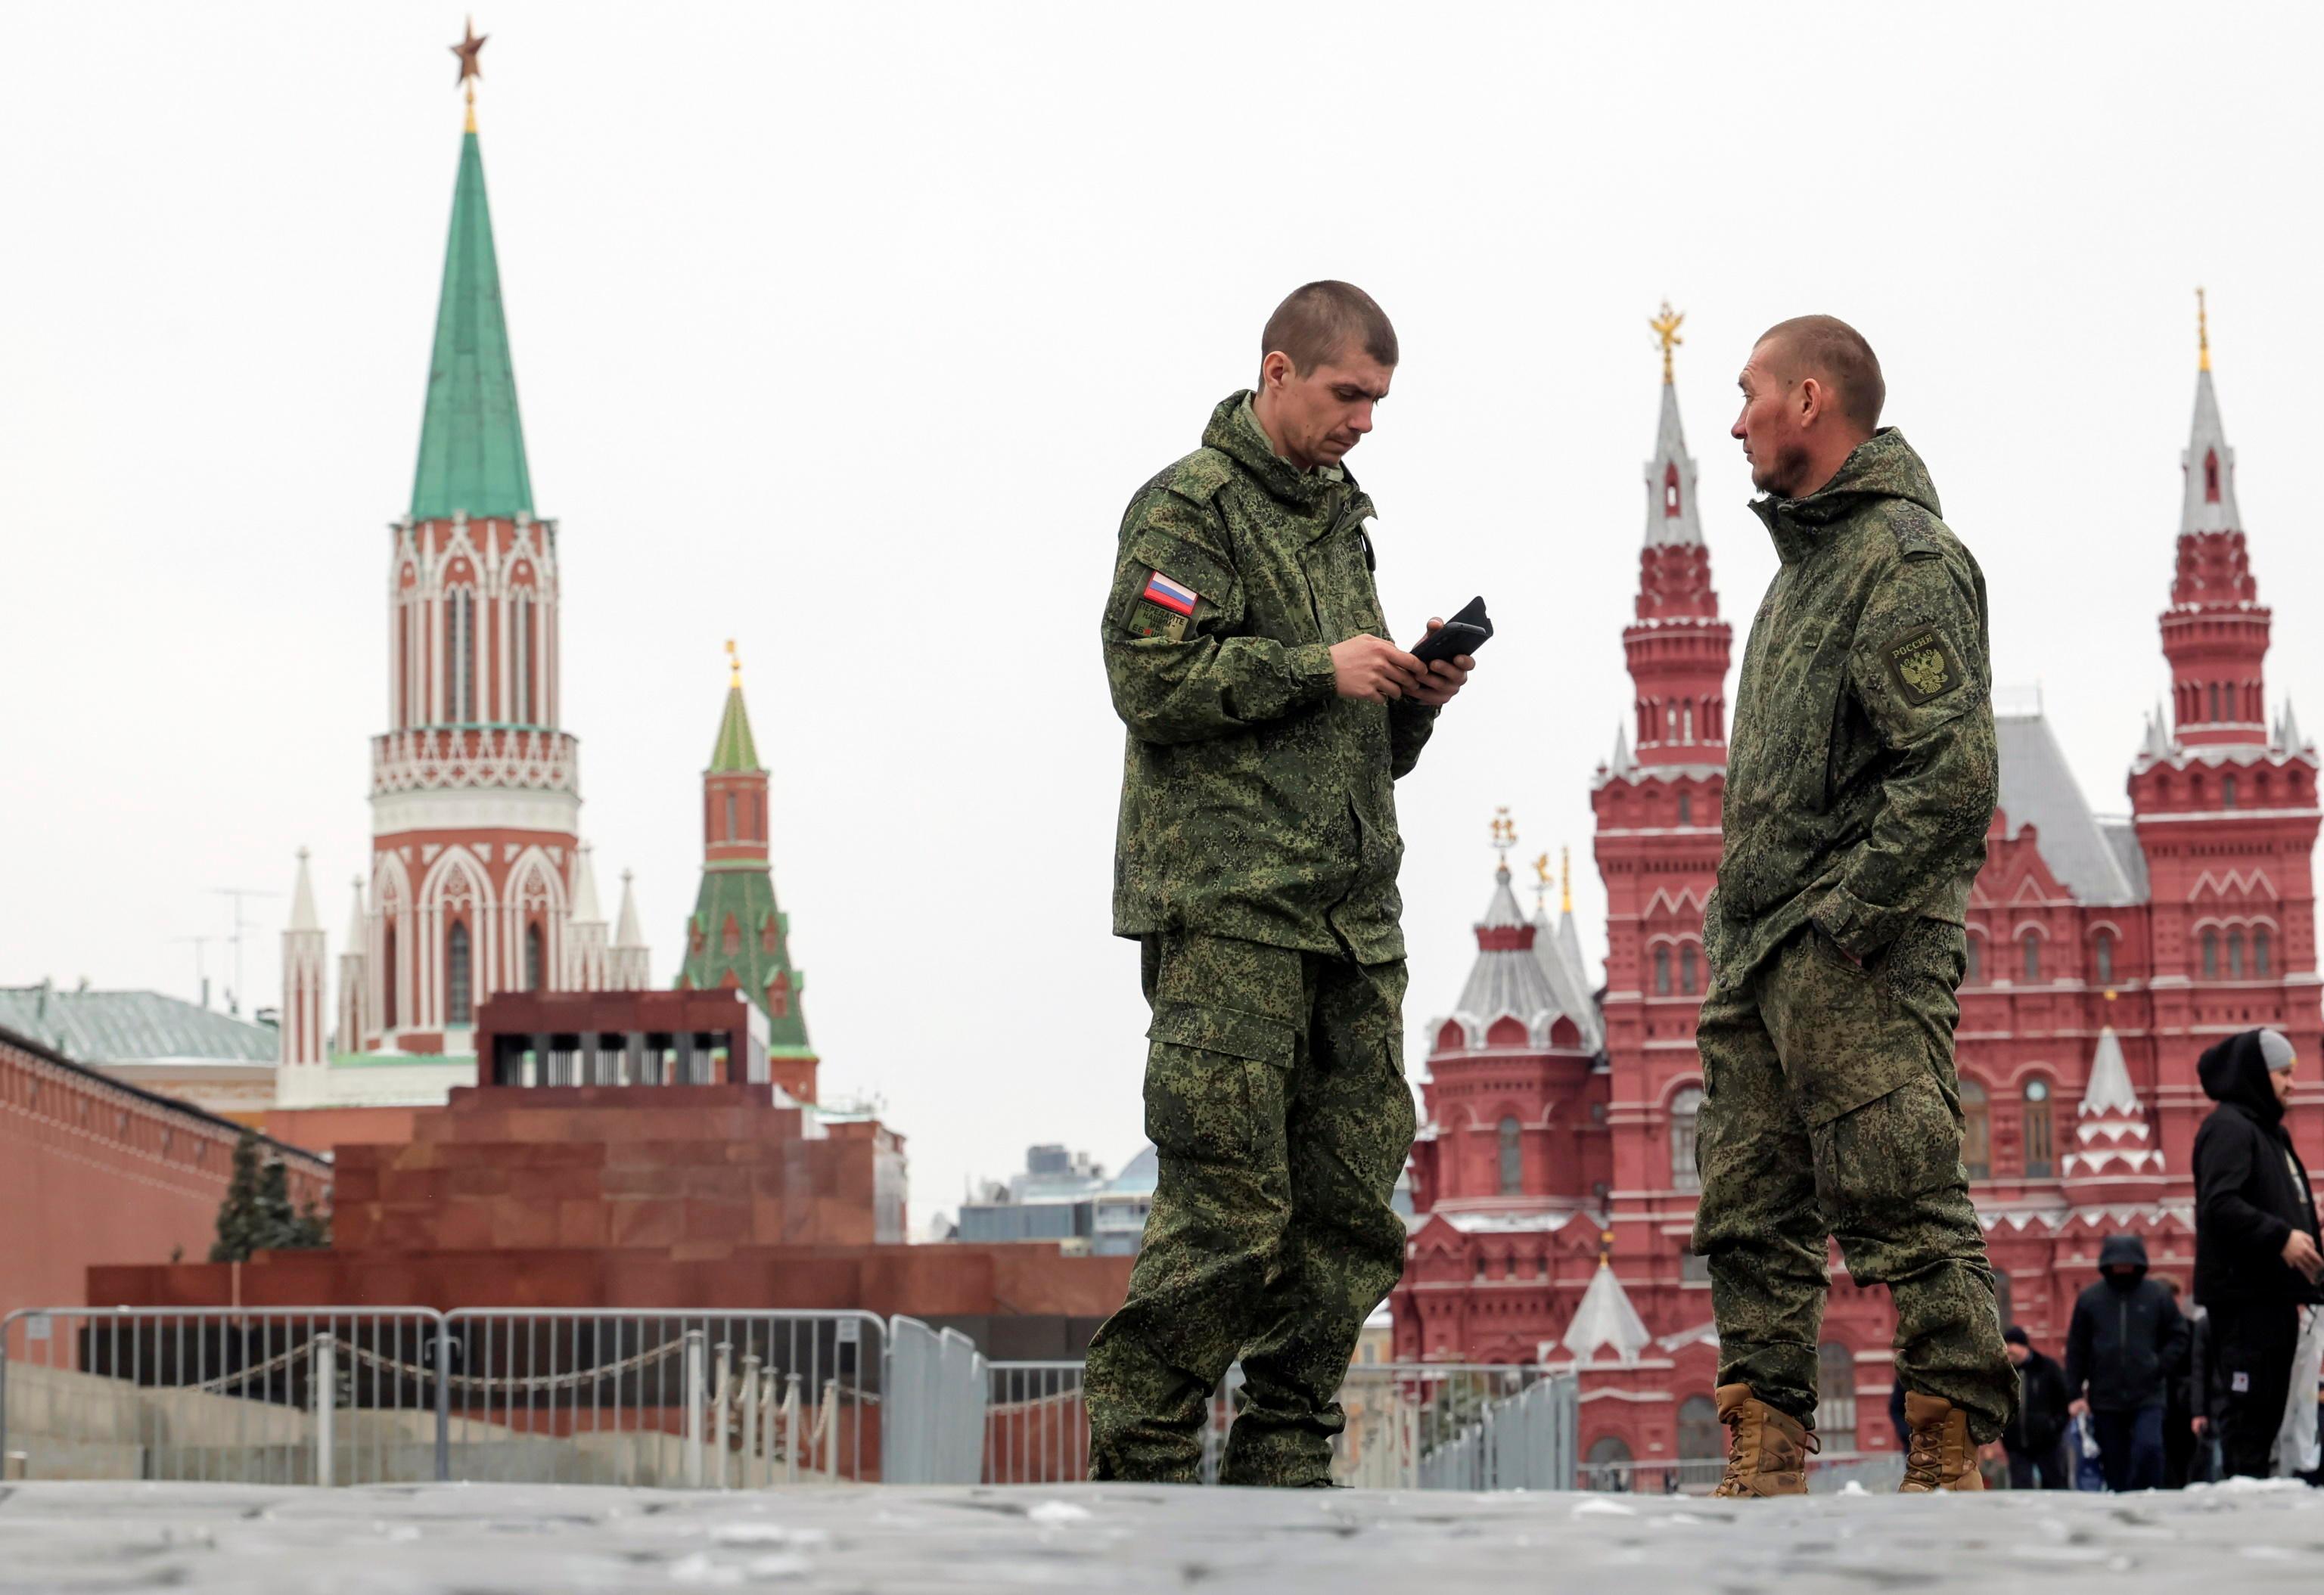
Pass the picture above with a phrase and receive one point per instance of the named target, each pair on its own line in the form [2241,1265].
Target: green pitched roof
[471,443]
[734,751]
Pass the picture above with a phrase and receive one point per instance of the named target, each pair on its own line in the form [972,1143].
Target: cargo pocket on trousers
[1216,1081]
[1876,1163]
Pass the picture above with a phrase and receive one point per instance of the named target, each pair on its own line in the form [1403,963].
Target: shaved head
[1322,322]
[1834,353]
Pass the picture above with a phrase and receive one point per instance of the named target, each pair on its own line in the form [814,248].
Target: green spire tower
[738,937]
[471,442]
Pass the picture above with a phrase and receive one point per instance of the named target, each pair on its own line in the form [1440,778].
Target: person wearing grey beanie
[2257,1267]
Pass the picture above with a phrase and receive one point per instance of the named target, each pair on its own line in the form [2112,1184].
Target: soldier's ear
[1275,370]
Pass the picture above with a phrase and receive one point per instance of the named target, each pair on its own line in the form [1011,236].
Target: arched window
[758,814]
[460,654]
[2235,955]
[2033,944]
[458,982]
[2036,1124]
[1976,960]
[1689,977]
[387,977]
[2226,791]
[519,660]
[532,958]
[1700,1437]
[2211,954]
[732,833]
[1512,1156]
[1670,491]
[2102,956]
[2262,952]
[1835,1418]
[2215,701]
[1686,808]
[1977,1131]
[1662,972]
[779,996]
[730,938]
[1686,1113]
[2211,476]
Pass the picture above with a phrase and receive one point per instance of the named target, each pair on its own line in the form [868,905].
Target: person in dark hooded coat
[2257,1264]
[2125,1343]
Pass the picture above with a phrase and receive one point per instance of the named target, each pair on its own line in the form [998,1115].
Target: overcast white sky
[846,331]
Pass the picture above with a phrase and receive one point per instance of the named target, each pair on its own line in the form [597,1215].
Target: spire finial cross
[734,664]
[2202,332]
[1666,328]
[1565,874]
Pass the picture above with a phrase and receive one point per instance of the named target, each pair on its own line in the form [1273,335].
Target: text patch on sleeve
[1924,665]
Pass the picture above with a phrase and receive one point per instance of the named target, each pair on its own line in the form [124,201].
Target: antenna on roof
[234,998]
[201,967]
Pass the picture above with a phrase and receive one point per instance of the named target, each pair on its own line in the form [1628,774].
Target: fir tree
[278,1220]
[239,1219]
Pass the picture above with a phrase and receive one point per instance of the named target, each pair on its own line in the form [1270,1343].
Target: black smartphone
[1465,632]
[1453,637]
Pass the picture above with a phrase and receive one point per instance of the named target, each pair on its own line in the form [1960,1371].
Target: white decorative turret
[303,956]
[2111,1134]
[1622,764]
[1512,978]
[627,964]
[1605,1319]
[585,953]
[354,982]
[2287,732]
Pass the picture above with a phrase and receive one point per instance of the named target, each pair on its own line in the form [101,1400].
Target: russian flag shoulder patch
[1175,597]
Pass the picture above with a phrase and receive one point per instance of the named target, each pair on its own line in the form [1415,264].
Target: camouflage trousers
[1276,1099]
[1831,1108]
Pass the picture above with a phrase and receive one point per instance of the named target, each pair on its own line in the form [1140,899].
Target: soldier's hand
[2300,1251]
[1442,678]
[1373,670]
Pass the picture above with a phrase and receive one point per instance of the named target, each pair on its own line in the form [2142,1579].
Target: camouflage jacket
[1861,772]
[1256,802]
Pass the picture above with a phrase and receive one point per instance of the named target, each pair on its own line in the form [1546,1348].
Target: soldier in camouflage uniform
[1269,717]
[1861,777]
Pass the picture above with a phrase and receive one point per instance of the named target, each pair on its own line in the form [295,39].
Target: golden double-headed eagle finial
[1505,833]
[1666,328]
[2202,332]
[734,664]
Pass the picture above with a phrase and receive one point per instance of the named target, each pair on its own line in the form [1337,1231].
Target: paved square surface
[475,1539]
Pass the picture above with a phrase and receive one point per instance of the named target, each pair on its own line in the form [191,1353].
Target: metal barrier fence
[343,1395]
[938,1378]
[277,1395]
[1409,1426]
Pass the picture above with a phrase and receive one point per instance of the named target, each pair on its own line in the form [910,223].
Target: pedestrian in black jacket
[2124,1344]
[2035,1438]
[2257,1260]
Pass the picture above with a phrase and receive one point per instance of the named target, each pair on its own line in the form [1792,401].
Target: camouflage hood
[1883,467]
[1234,433]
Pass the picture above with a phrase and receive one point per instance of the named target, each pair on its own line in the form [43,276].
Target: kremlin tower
[478,882]
[738,937]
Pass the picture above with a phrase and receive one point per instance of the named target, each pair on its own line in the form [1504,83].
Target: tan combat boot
[1767,1450]
[1941,1456]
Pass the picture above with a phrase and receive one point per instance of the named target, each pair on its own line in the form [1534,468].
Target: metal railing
[342,1396]
[274,1394]
[1410,1425]
[715,1400]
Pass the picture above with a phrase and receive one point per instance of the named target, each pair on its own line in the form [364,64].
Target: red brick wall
[92,1172]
